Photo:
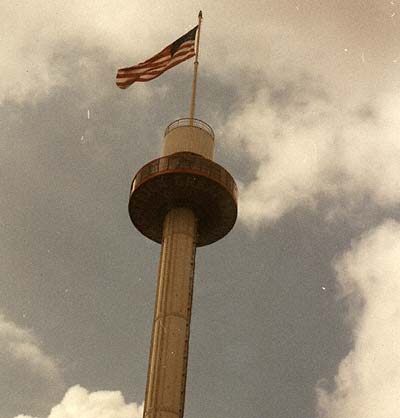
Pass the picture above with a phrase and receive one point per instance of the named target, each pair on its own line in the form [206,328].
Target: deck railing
[186,162]
[197,123]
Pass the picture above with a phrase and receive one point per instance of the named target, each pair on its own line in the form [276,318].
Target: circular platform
[184,180]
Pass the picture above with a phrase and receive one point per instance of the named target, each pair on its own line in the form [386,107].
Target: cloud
[34,32]
[80,403]
[286,38]
[307,146]
[23,346]
[367,384]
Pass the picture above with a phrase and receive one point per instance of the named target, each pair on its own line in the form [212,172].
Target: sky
[296,312]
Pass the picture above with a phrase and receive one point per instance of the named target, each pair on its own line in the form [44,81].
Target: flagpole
[196,64]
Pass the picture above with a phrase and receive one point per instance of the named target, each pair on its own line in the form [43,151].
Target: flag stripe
[163,68]
[139,67]
[149,74]
[126,82]
[166,52]
[159,69]
[183,49]
[123,74]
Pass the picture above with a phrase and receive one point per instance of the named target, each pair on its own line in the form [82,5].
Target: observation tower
[182,200]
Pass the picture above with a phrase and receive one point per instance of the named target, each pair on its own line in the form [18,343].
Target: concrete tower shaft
[166,379]
[182,200]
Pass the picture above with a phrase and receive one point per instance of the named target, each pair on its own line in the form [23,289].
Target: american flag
[180,50]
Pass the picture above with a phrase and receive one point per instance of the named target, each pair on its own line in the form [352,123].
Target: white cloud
[291,149]
[312,146]
[34,31]
[367,384]
[23,346]
[80,403]
[284,38]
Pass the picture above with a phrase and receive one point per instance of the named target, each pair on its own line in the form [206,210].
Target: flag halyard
[172,55]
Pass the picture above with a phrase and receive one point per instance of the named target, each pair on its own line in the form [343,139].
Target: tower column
[166,380]
[182,200]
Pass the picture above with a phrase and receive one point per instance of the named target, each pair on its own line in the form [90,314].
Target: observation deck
[184,179]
